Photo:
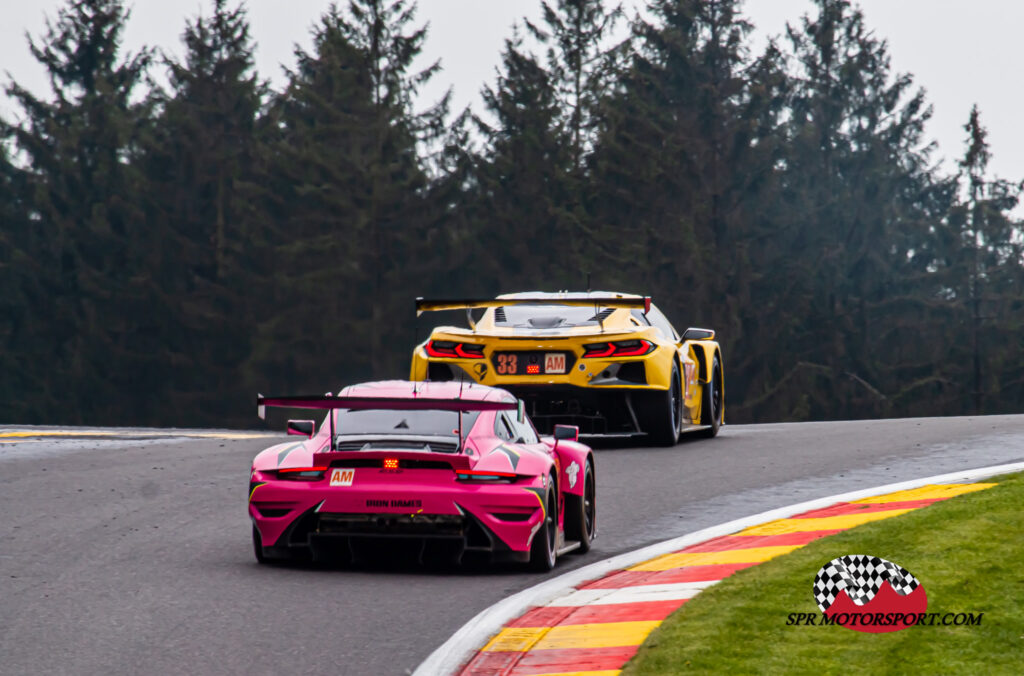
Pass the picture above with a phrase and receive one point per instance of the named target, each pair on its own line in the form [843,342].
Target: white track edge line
[470,637]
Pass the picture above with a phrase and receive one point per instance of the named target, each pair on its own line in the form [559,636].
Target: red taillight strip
[644,347]
[459,350]
[302,469]
[616,350]
[599,353]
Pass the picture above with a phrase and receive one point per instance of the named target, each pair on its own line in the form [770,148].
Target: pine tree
[579,64]
[860,193]
[21,273]
[982,279]
[79,148]
[524,182]
[342,201]
[685,161]
[197,156]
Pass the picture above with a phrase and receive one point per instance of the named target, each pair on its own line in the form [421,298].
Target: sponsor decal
[571,471]
[554,362]
[855,589]
[872,595]
[480,369]
[394,502]
[342,476]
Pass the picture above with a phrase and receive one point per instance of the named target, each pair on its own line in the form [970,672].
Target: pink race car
[438,469]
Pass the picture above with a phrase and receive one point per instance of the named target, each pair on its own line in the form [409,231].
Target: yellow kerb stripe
[21,434]
[822,523]
[932,492]
[752,555]
[604,635]
[515,639]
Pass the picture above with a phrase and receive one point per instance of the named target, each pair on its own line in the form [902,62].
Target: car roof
[432,390]
[617,320]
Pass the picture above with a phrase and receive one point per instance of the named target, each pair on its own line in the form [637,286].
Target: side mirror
[567,433]
[302,428]
[698,334]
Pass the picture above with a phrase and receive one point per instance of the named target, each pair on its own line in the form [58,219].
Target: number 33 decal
[507,364]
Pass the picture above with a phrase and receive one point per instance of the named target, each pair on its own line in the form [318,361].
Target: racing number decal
[507,364]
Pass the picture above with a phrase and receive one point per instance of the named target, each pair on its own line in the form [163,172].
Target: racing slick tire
[542,551]
[711,402]
[581,512]
[660,415]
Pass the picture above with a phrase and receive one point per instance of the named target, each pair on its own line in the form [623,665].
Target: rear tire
[711,402]
[542,551]
[661,412]
[581,512]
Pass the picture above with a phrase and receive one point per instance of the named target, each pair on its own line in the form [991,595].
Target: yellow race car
[609,363]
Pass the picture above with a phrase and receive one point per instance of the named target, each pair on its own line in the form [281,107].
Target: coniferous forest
[171,245]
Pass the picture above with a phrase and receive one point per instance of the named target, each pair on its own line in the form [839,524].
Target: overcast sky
[961,53]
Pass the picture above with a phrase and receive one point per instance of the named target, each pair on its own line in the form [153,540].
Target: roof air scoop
[546,322]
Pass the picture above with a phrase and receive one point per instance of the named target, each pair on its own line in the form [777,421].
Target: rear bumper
[498,520]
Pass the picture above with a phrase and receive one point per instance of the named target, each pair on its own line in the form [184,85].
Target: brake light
[485,475]
[301,473]
[619,348]
[390,463]
[451,349]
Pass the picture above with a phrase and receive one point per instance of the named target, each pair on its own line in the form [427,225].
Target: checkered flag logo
[861,576]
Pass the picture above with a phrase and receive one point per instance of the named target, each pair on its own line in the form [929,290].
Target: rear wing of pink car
[324,402]
[329,403]
[640,303]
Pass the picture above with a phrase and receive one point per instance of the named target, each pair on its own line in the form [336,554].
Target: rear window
[375,421]
[549,316]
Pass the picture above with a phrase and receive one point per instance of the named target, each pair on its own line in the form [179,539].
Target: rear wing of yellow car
[636,302]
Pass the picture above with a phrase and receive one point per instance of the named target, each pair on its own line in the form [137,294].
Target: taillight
[619,348]
[485,475]
[451,349]
[301,473]
[390,463]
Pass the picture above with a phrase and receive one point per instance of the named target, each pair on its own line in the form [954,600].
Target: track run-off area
[128,550]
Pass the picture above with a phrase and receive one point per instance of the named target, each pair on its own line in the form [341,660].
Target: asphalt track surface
[132,555]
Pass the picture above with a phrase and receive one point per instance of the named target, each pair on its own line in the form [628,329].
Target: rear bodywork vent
[272,512]
[439,372]
[513,516]
[633,372]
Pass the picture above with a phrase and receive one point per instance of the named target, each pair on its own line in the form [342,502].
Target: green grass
[968,552]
